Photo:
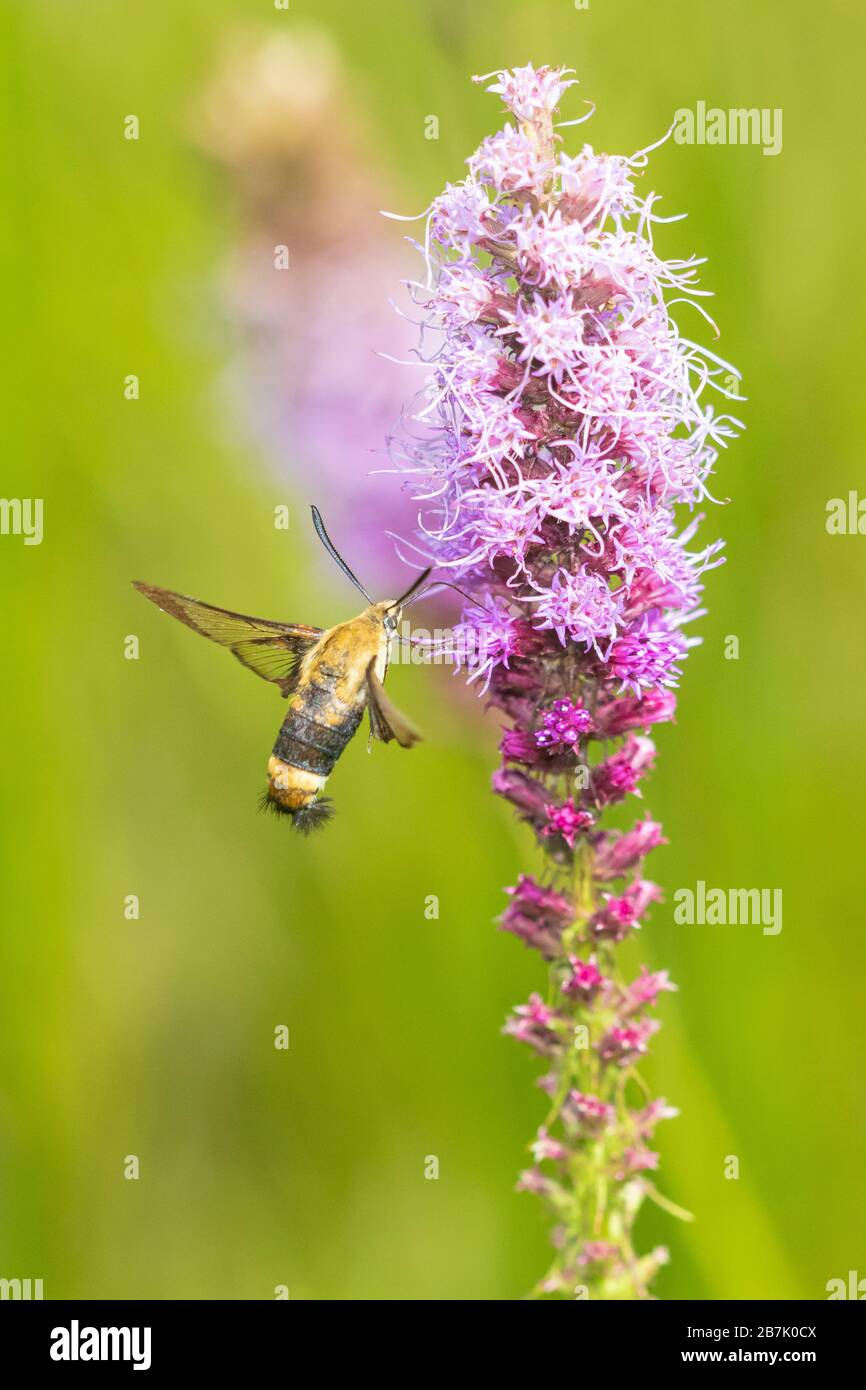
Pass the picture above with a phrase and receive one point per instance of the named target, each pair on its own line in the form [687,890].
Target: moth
[329,676]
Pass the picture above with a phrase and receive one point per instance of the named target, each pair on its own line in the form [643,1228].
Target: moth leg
[386,721]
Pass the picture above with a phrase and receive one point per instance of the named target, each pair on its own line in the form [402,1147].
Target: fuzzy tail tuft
[307,818]
[314,816]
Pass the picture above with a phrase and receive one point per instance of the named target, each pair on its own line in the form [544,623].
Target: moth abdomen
[312,744]
[314,733]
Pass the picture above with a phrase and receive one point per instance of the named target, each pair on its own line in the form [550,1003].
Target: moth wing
[386,721]
[272,650]
[276,659]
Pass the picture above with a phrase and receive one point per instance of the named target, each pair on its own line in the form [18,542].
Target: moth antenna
[334,553]
[407,598]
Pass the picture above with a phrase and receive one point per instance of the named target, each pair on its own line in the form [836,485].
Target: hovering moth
[329,676]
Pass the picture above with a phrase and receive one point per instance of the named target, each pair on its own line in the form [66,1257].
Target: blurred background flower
[278,115]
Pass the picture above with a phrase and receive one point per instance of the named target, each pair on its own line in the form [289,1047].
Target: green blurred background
[155,1037]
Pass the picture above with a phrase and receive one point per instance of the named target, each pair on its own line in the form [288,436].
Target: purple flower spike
[519,746]
[625,1044]
[618,716]
[618,916]
[645,990]
[545,1147]
[561,450]
[620,774]
[528,795]
[563,725]
[585,980]
[567,821]
[617,855]
[534,1023]
[636,1160]
[591,1113]
[538,916]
